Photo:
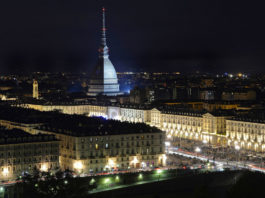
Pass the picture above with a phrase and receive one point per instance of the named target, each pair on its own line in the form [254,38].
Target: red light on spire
[103,9]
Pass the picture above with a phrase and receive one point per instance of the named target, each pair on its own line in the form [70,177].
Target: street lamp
[92,181]
[159,171]
[197,150]
[107,181]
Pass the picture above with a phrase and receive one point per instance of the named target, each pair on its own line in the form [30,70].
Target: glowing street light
[44,168]
[78,165]
[237,147]
[140,177]
[5,171]
[111,163]
[205,141]
[92,181]
[134,161]
[2,189]
[197,150]
[107,180]
[159,171]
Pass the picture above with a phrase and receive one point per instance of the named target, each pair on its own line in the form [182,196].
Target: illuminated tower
[35,90]
[104,79]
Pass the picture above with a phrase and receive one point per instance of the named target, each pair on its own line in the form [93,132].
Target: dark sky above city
[143,35]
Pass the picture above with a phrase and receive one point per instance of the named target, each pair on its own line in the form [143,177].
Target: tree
[47,185]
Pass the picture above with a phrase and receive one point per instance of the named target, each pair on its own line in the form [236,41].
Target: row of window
[25,160]
[102,139]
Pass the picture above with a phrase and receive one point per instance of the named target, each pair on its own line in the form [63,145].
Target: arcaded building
[246,132]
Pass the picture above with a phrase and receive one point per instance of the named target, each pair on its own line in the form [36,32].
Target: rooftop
[255,116]
[76,125]
[15,136]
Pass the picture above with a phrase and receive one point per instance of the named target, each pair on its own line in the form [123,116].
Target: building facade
[96,153]
[21,152]
[246,134]
[209,128]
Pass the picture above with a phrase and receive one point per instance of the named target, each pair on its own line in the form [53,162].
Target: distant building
[35,93]
[239,95]
[208,94]
[138,95]
[210,126]
[103,79]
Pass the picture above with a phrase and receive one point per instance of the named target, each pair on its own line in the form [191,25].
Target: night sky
[143,35]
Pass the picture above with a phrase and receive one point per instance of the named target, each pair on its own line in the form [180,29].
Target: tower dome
[103,79]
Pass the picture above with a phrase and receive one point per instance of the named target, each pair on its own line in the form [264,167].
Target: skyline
[177,36]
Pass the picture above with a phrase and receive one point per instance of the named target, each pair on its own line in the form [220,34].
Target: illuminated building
[211,128]
[246,133]
[196,126]
[104,79]
[135,113]
[86,150]
[21,152]
[35,93]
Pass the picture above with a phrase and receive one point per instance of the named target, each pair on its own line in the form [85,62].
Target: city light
[237,147]
[135,160]
[111,163]
[159,171]
[44,168]
[107,180]
[78,165]
[140,176]
[143,164]
[197,150]
[92,181]
[5,171]
[167,143]
[2,189]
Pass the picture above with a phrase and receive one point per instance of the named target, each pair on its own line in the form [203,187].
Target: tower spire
[103,50]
